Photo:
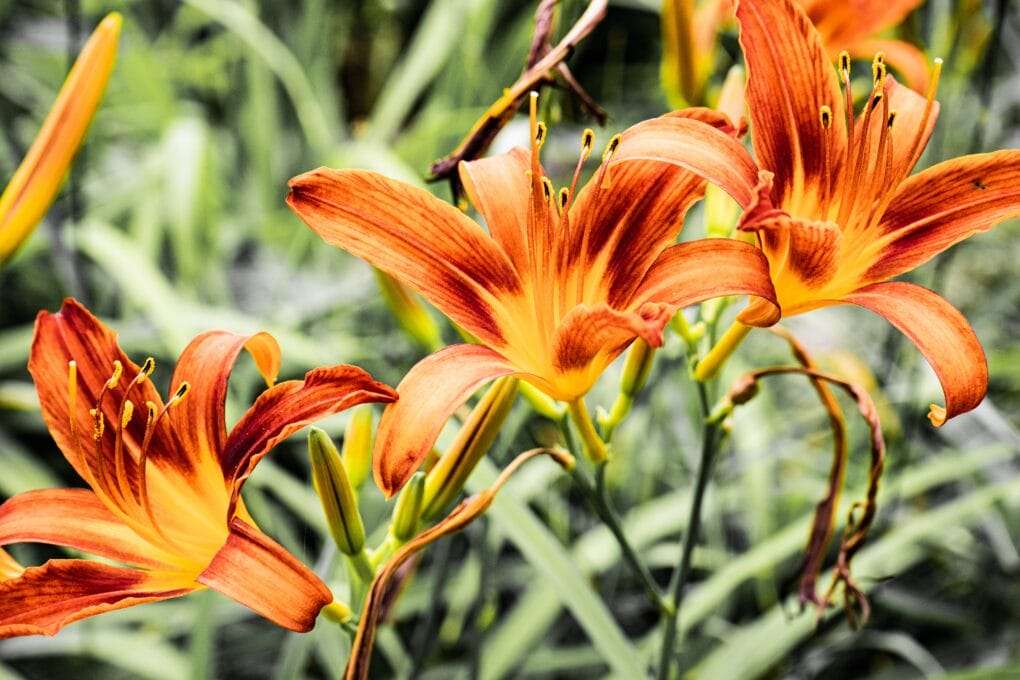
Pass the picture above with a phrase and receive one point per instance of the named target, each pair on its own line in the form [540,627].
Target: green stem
[593,446]
[363,566]
[598,499]
[709,448]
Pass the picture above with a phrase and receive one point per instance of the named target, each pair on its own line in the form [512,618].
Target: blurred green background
[174,222]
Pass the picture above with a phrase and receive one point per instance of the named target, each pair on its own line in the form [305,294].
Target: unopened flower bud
[639,362]
[635,371]
[357,447]
[407,511]
[338,612]
[409,312]
[446,479]
[541,402]
[336,494]
[743,390]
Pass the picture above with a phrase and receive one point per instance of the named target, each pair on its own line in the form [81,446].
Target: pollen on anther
[148,366]
[587,139]
[118,370]
[878,72]
[614,142]
[844,61]
[564,198]
[129,411]
[892,118]
[547,188]
[182,390]
[100,426]
[876,99]
[825,116]
[540,134]
[151,409]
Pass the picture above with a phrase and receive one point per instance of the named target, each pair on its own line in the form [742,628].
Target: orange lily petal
[788,81]
[35,183]
[945,204]
[845,24]
[254,570]
[76,518]
[429,394]
[941,333]
[804,258]
[589,338]
[409,233]
[42,600]
[75,334]
[629,214]
[497,187]
[907,59]
[704,149]
[200,419]
[698,270]
[289,406]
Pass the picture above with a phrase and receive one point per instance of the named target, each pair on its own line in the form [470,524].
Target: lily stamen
[825,118]
[152,421]
[125,411]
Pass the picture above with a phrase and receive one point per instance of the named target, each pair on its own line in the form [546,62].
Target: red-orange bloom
[555,290]
[835,211]
[856,25]
[165,478]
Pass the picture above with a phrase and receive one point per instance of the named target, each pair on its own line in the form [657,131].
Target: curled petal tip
[936,414]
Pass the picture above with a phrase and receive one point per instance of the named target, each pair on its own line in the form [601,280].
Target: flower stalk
[591,443]
[712,362]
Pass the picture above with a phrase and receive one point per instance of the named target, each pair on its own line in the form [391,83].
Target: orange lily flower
[855,27]
[690,39]
[554,291]
[35,183]
[835,211]
[165,486]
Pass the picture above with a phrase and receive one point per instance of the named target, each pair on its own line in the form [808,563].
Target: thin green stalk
[709,448]
[597,497]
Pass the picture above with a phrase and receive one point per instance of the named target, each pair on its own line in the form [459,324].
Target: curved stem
[709,447]
[597,497]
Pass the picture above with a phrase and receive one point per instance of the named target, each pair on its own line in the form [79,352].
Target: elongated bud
[336,494]
[357,447]
[639,362]
[445,481]
[409,312]
[38,179]
[407,511]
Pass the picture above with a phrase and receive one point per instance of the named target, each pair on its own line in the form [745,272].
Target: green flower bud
[357,448]
[446,479]
[639,364]
[407,511]
[336,494]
